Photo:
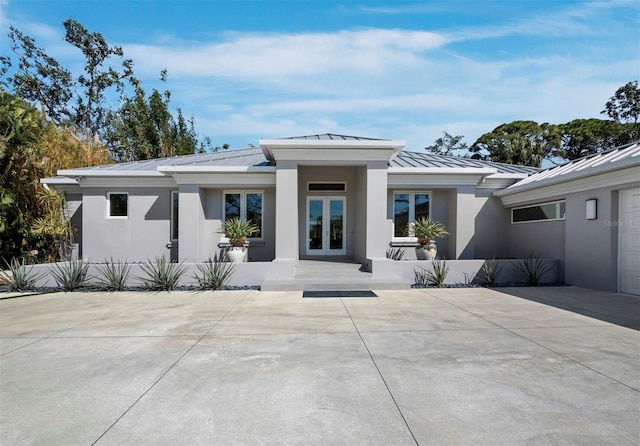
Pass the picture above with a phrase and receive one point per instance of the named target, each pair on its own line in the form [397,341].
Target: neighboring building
[339,197]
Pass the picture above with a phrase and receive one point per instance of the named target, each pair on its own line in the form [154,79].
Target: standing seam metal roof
[585,166]
[254,156]
[432,160]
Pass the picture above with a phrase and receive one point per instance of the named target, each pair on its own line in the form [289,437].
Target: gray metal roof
[432,160]
[620,157]
[242,157]
[255,157]
[334,137]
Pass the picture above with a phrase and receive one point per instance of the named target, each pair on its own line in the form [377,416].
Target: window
[174,215]
[245,206]
[333,187]
[407,208]
[539,212]
[117,204]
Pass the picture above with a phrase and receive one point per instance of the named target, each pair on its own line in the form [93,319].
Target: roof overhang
[103,173]
[215,169]
[330,151]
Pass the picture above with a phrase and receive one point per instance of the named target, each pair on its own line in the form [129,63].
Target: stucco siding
[491,223]
[143,235]
[591,245]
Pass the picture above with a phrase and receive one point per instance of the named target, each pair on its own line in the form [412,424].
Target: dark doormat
[338,294]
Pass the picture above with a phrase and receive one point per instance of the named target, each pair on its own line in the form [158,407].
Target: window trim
[243,208]
[172,216]
[537,205]
[412,213]
[120,217]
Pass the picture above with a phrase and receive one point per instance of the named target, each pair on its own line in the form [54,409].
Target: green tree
[624,107]
[448,145]
[582,137]
[21,127]
[82,101]
[524,143]
[144,128]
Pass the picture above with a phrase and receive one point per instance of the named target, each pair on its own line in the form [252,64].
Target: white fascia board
[432,180]
[619,178]
[228,179]
[331,144]
[58,180]
[216,169]
[163,182]
[99,173]
[547,179]
[484,171]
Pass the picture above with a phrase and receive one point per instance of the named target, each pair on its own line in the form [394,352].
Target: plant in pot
[237,231]
[425,231]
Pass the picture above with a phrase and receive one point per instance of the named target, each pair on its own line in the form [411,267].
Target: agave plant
[440,271]
[532,269]
[425,230]
[71,275]
[214,274]
[237,231]
[161,275]
[395,254]
[20,278]
[114,275]
[491,270]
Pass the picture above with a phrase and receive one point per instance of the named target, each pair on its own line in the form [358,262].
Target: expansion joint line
[540,345]
[380,373]
[165,372]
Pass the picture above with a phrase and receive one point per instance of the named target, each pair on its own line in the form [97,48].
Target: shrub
[71,275]
[532,269]
[440,271]
[491,270]
[435,278]
[214,274]
[20,278]
[114,275]
[161,275]
[395,254]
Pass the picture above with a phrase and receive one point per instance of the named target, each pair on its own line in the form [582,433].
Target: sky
[247,70]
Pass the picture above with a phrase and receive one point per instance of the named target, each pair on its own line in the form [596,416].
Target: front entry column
[189,217]
[287,211]
[377,238]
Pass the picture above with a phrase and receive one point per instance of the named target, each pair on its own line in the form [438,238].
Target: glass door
[325,226]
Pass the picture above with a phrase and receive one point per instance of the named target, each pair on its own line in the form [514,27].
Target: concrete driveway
[441,367]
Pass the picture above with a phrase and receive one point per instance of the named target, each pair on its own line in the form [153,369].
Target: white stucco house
[336,197]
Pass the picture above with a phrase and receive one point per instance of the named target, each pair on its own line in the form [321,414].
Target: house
[585,213]
[330,197]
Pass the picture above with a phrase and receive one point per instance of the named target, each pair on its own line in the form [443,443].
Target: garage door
[629,241]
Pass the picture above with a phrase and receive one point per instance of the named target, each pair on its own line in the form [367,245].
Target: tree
[582,137]
[81,101]
[624,107]
[448,145]
[21,127]
[144,128]
[524,143]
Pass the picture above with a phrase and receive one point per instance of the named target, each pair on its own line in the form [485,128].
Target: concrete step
[333,284]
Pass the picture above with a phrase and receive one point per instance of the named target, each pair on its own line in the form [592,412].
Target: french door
[325,226]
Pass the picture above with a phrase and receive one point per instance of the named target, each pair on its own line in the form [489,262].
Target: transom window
[324,186]
[117,204]
[246,205]
[407,208]
[545,211]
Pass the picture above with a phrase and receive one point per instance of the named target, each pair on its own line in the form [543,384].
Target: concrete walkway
[435,366]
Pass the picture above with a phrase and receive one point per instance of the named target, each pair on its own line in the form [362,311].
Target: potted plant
[237,231]
[425,231]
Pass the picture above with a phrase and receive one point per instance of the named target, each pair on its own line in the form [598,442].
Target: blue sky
[404,70]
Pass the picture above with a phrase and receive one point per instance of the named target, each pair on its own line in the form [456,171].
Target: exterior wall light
[592,209]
